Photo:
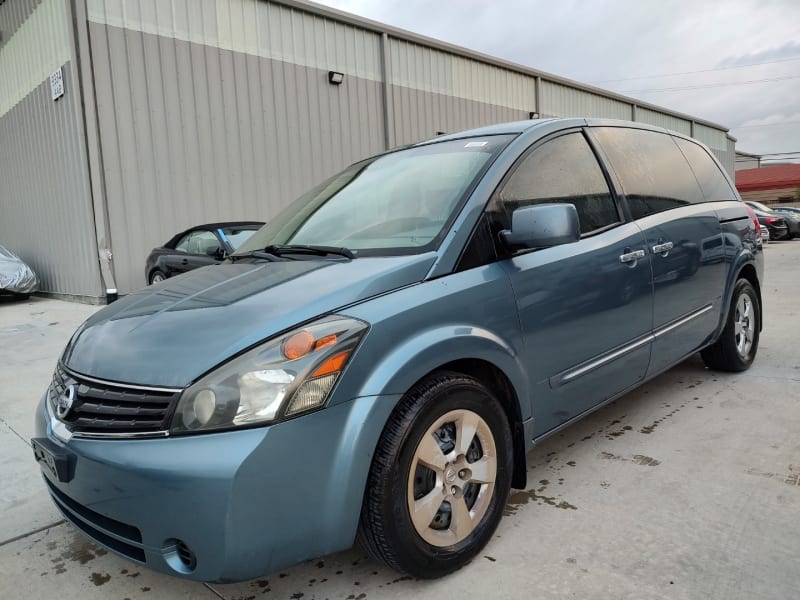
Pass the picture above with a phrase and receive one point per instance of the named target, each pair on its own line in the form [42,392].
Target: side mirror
[542,226]
[214,251]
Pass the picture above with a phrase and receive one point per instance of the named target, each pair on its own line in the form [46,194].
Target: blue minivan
[375,363]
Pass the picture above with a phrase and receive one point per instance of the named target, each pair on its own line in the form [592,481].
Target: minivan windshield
[396,203]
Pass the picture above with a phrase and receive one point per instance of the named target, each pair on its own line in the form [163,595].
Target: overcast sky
[636,47]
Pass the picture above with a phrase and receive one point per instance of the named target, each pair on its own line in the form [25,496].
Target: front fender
[427,351]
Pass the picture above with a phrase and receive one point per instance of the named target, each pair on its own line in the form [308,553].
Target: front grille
[104,408]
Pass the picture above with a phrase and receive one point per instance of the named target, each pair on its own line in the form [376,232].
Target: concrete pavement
[687,488]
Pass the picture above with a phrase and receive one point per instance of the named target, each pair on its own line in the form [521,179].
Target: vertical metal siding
[222,112]
[660,119]
[713,138]
[45,205]
[728,157]
[425,69]
[38,47]
[718,142]
[12,15]
[250,27]
[433,91]
[562,101]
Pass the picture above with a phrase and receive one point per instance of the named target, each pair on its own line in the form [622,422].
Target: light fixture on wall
[533,115]
[335,78]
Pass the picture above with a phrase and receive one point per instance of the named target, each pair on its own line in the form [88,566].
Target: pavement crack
[14,431]
[215,592]
[30,533]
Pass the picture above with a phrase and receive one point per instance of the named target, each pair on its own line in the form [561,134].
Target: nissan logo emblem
[65,401]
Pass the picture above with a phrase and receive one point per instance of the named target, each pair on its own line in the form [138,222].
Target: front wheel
[736,348]
[440,477]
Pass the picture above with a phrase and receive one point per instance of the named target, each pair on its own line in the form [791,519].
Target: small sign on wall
[57,84]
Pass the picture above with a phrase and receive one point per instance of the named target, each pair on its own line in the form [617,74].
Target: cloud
[789,50]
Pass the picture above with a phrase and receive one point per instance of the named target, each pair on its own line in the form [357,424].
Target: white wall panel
[250,27]
[193,133]
[38,47]
[713,138]
[426,69]
[563,101]
[660,119]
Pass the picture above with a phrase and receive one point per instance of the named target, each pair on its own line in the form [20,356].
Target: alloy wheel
[452,478]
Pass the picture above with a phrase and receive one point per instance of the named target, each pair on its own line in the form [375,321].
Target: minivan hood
[171,333]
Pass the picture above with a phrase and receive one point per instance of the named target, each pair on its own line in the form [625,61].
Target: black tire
[386,529]
[155,275]
[726,353]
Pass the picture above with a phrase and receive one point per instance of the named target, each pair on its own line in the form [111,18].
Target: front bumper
[243,503]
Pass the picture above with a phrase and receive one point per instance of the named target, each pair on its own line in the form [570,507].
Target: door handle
[185,261]
[631,256]
[662,248]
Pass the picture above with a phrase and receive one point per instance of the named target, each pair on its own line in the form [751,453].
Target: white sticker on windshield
[475,144]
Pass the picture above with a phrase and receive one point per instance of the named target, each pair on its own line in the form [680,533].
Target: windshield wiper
[281,249]
[256,254]
[276,252]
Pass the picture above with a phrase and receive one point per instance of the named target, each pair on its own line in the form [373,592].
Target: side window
[563,170]
[183,244]
[713,183]
[201,240]
[651,169]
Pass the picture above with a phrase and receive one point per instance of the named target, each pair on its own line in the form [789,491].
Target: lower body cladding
[223,506]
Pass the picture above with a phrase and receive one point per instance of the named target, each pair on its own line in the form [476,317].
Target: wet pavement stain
[791,478]
[639,459]
[649,428]
[79,550]
[520,498]
[399,579]
[99,579]
[613,434]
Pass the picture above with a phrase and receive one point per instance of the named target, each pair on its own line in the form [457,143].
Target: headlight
[283,377]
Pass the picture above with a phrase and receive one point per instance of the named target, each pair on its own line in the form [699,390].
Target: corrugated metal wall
[45,202]
[222,111]
[717,141]
[563,101]
[433,91]
[13,15]
[660,119]
[728,160]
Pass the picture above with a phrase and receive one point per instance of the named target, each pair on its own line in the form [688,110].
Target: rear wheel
[439,479]
[157,277]
[737,346]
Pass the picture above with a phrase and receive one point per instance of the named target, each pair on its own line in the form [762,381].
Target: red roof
[768,178]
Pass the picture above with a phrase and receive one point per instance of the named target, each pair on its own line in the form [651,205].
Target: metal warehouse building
[125,121]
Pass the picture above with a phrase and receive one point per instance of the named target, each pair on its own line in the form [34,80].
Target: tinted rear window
[651,169]
[714,184]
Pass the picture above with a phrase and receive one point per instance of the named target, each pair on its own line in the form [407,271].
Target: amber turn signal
[324,342]
[333,365]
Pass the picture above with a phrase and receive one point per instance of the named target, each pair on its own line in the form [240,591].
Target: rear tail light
[753,218]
